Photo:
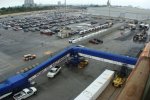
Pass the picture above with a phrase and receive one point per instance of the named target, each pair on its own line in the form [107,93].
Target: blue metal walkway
[20,81]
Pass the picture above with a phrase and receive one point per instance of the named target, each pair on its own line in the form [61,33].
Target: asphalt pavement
[71,81]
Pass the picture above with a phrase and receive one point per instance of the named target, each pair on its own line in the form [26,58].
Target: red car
[100,41]
[93,42]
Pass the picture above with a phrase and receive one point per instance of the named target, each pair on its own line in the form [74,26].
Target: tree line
[10,10]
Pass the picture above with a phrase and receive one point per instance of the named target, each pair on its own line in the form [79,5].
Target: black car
[100,41]
[93,42]
[26,30]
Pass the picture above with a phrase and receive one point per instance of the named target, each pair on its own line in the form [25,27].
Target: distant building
[59,3]
[108,3]
[29,3]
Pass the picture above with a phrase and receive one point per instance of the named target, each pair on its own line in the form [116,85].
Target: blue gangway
[20,81]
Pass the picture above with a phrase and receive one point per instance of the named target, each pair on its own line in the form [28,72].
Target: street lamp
[65,8]
[108,4]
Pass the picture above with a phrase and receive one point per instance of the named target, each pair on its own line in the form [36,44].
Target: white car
[25,93]
[71,40]
[81,46]
[53,71]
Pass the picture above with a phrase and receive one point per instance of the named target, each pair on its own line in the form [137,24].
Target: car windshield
[53,70]
[30,90]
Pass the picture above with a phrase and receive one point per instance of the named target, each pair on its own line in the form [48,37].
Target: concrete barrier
[102,33]
[97,87]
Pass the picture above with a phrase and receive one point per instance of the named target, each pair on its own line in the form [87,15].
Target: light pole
[108,4]
[65,9]
[109,11]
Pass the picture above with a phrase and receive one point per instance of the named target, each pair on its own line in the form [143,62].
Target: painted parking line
[48,52]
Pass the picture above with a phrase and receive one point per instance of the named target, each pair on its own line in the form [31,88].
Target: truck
[144,26]
[118,81]
[28,57]
[132,26]
[25,93]
[83,63]
[120,77]
[141,37]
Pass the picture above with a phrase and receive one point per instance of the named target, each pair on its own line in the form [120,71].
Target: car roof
[53,69]
[27,55]
[26,90]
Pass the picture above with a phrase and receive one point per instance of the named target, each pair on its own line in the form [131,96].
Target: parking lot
[16,43]
[70,81]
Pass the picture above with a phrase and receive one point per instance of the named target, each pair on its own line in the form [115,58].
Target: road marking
[48,52]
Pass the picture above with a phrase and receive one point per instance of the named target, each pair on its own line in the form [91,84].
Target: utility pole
[108,4]
[109,11]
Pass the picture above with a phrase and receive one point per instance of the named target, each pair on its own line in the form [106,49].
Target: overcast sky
[136,3]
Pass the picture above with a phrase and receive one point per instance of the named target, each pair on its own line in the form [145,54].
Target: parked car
[25,93]
[56,30]
[17,28]
[93,42]
[6,28]
[70,41]
[47,32]
[100,41]
[53,71]
[26,30]
[37,29]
